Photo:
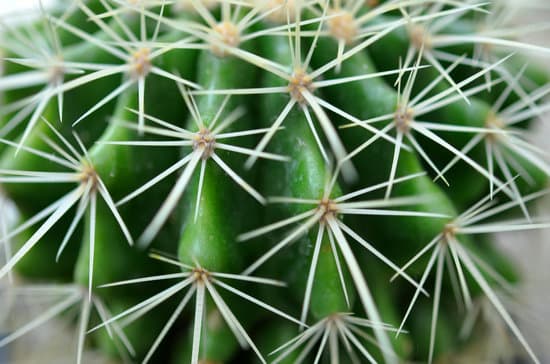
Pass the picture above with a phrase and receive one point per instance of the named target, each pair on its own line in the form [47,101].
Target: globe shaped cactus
[243,181]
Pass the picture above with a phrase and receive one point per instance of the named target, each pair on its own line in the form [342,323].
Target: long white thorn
[315,134]
[39,153]
[252,152]
[170,203]
[161,277]
[295,342]
[64,205]
[111,204]
[363,291]
[43,214]
[81,209]
[197,324]
[232,320]
[461,278]
[377,187]
[311,274]
[104,315]
[110,96]
[44,317]
[238,277]
[89,38]
[444,40]
[426,157]
[423,279]
[199,191]
[339,268]
[93,211]
[380,256]
[286,241]
[434,62]
[23,80]
[348,171]
[274,226]
[395,160]
[34,119]
[235,177]
[179,81]
[322,344]
[149,303]
[274,127]
[486,288]
[175,315]
[513,186]
[361,347]
[141,103]
[257,302]
[84,320]
[437,297]
[434,137]
[172,169]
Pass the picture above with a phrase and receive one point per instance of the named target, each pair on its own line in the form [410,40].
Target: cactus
[316,181]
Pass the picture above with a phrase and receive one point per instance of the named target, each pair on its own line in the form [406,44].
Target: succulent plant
[316,181]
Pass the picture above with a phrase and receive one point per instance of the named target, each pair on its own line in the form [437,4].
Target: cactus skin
[198,92]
